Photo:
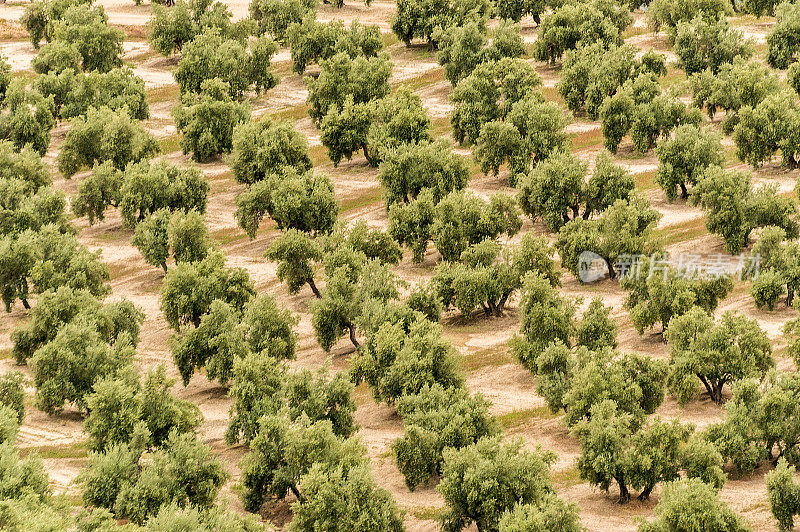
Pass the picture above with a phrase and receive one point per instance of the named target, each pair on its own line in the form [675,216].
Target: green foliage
[483,480]
[670,13]
[784,41]
[212,55]
[486,276]
[21,477]
[275,16]
[516,9]
[657,298]
[402,356]
[373,243]
[303,202]
[463,220]
[547,317]
[793,77]
[25,165]
[613,450]
[189,289]
[635,383]
[784,494]
[489,93]
[256,391]
[702,45]
[593,72]
[684,156]
[641,109]
[116,89]
[363,79]
[9,426]
[57,57]
[537,133]
[434,420]
[623,231]
[576,23]
[146,188]
[104,135]
[66,368]
[266,147]
[420,18]
[188,237]
[172,27]
[99,44]
[716,353]
[684,500]
[183,472]
[768,127]
[462,48]
[313,41]
[20,211]
[173,517]
[296,254]
[411,169]
[557,190]
[352,282]
[596,330]
[734,208]
[151,238]
[12,393]
[207,119]
[284,451]
[97,192]
[26,117]
[343,499]
[119,408]
[551,514]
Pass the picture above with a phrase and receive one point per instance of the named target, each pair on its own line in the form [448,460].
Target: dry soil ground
[481,342]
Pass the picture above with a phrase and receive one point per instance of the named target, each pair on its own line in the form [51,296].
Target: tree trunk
[624,494]
[789,297]
[25,303]
[164,266]
[353,339]
[645,495]
[610,265]
[684,192]
[366,154]
[707,385]
[296,493]
[314,288]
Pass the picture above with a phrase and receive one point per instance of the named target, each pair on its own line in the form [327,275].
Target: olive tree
[66,368]
[363,79]
[485,276]
[104,135]
[99,43]
[716,353]
[702,45]
[488,94]
[420,18]
[594,72]
[275,16]
[737,84]
[26,117]
[410,169]
[684,500]
[784,41]
[403,356]
[266,147]
[116,406]
[297,255]
[573,24]
[189,289]
[207,119]
[12,393]
[613,450]
[557,189]
[303,202]
[146,188]
[483,480]
[734,207]
[434,420]
[622,231]
[669,13]
[669,292]
[684,156]
[784,494]
[212,55]
[313,41]
[768,127]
